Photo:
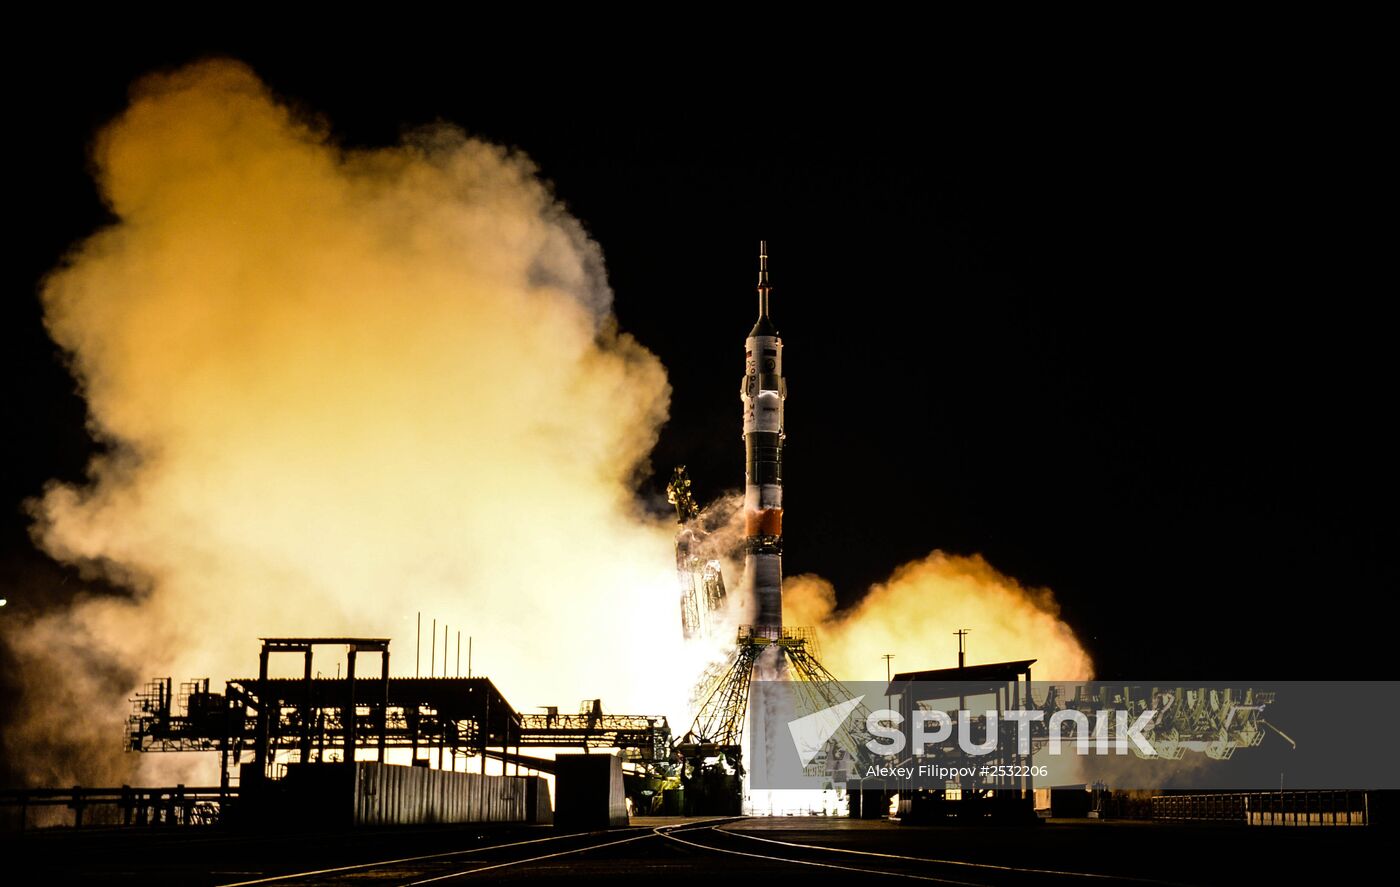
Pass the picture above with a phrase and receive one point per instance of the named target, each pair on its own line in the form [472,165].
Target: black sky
[1114,324]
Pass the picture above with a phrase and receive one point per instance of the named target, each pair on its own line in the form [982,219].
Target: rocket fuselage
[763,391]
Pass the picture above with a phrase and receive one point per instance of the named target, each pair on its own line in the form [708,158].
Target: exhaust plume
[338,387]
[914,613]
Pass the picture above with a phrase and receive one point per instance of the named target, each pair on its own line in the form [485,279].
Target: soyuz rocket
[763,391]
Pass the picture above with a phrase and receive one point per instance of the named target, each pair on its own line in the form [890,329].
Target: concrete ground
[700,851]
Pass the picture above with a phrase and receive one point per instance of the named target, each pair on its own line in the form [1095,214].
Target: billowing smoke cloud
[914,614]
[340,387]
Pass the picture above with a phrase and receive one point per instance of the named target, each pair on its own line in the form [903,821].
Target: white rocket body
[763,391]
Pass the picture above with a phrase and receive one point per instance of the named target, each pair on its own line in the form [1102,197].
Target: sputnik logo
[811,732]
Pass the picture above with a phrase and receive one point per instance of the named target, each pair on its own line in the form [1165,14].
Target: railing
[125,805]
[1286,808]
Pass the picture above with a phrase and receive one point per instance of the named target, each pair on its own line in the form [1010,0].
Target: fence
[1285,808]
[123,805]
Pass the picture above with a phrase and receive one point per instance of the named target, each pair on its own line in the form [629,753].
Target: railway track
[701,848]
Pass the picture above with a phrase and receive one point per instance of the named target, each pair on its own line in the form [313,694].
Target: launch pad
[290,743]
[711,752]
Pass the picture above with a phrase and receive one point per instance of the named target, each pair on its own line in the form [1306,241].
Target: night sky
[1115,327]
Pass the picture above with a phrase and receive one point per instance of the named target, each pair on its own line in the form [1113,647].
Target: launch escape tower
[711,752]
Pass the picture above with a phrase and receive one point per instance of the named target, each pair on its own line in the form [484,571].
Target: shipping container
[369,793]
[589,792]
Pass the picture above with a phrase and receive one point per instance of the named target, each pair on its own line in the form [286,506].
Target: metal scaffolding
[714,740]
[319,720]
[697,569]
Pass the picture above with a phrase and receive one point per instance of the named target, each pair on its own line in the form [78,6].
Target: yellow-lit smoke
[914,613]
[341,387]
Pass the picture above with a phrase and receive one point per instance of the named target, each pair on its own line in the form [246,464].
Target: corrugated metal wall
[391,794]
